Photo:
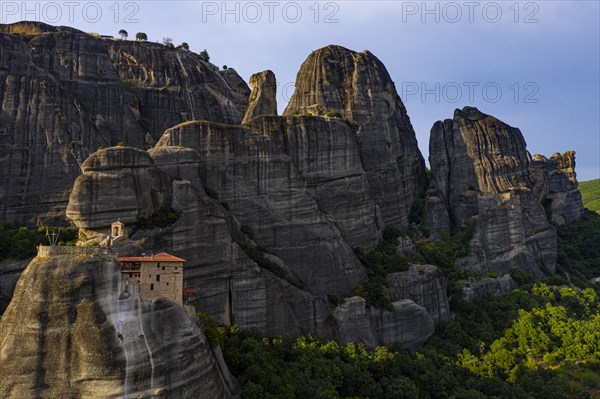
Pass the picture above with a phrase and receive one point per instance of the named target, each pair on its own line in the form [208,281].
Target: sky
[533,64]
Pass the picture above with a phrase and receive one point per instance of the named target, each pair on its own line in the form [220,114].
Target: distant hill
[590,193]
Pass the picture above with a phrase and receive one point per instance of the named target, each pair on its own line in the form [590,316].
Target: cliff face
[486,176]
[556,180]
[358,86]
[67,334]
[65,93]
[297,182]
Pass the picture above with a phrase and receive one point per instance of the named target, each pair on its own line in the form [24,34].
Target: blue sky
[533,64]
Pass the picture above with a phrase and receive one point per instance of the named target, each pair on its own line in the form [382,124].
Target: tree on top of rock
[141,36]
[204,55]
[123,34]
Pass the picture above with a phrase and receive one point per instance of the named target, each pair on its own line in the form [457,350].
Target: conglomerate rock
[334,80]
[66,333]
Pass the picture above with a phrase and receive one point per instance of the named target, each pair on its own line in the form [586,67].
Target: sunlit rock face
[359,88]
[70,332]
[482,169]
[65,93]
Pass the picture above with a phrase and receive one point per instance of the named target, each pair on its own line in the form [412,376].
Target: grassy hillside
[590,191]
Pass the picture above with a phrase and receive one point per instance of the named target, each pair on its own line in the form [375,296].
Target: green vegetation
[445,253]
[141,36]
[257,254]
[21,242]
[213,331]
[184,46]
[164,217]
[168,42]
[333,113]
[123,33]
[590,193]
[578,249]
[379,262]
[352,125]
[204,55]
[541,343]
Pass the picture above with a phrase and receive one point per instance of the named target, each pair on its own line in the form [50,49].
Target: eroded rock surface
[263,99]
[359,88]
[426,286]
[66,334]
[556,181]
[482,169]
[117,183]
[65,93]
[406,323]
[488,287]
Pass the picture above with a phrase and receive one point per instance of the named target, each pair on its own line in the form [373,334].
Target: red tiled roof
[161,257]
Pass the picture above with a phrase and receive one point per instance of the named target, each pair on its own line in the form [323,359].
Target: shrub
[164,217]
[141,36]
[332,113]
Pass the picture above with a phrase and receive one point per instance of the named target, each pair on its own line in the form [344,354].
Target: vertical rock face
[117,183]
[476,152]
[263,99]
[357,86]
[66,334]
[488,287]
[65,93]
[407,323]
[556,180]
[252,170]
[482,168]
[426,286]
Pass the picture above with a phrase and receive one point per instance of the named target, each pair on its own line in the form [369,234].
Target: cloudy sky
[533,64]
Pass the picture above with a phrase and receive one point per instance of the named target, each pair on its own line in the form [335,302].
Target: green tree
[123,33]
[141,36]
[204,55]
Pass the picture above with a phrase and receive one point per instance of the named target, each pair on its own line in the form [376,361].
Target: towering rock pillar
[335,81]
[263,99]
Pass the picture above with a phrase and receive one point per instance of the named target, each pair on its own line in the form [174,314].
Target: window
[149,276]
[157,277]
[163,268]
[167,283]
[175,267]
[151,287]
[158,265]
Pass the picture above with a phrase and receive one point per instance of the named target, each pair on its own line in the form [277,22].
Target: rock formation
[65,93]
[117,183]
[356,86]
[263,99]
[488,287]
[426,286]
[556,180]
[482,168]
[67,334]
[298,184]
[406,323]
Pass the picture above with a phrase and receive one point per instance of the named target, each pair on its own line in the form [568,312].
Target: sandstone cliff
[65,93]
[68,334]
[358,87]
[263,99]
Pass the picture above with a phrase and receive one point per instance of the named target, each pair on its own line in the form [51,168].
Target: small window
[157,277]
[149,276]
[167,283]
[158,265]
[151,287]
[175,267]
[163,268]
